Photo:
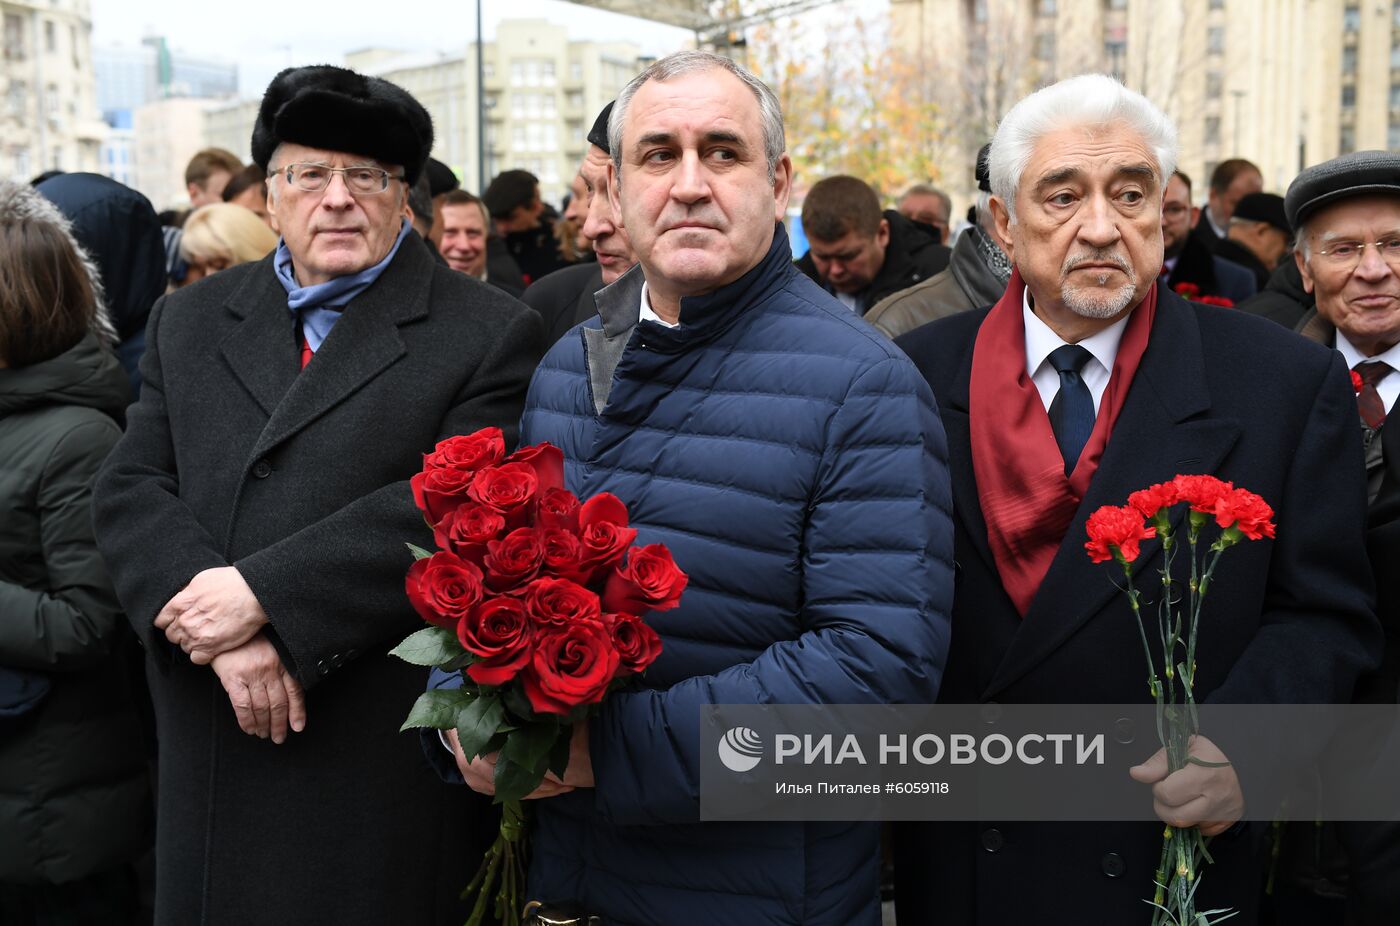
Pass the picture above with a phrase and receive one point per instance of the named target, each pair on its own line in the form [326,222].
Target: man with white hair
[1086,382]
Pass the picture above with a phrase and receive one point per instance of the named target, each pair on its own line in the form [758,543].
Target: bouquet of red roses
[1116,533]
[537,599]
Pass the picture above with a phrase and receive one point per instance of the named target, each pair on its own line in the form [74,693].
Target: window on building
[51,100]
[50,36]
[1348,96]
[488,68]
[56,158]
[575,71]
[1217,4]
[1392,137]
[1212,130]
[517,137]
[1115,4]
[549,104]
[1395,14]
[1347,142]
[1215,40]
[1395,96]
[574,100]
[1351,19]
[1349,60]
[1395,57]
[1215,85]
[547,73]
[73,46]
[14,38]
[17,98]
[1045,46]
[1045,7]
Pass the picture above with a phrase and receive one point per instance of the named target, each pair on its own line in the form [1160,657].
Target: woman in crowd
[222,235]
[74,789]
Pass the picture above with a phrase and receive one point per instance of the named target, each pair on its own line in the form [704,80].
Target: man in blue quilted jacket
[792,460]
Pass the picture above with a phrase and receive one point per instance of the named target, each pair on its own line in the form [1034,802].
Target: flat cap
[1263,207]
[441,179]
[336,109]
[598,135]
[1350,175]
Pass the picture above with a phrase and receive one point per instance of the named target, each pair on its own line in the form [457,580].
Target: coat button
[262,469]
[992,840]
[323,668]
[337,661]
[1113,865]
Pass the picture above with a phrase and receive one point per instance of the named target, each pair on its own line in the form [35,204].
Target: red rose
[466,529]
[468,451]
[558,508]
[603,532]
[443,588]
[1149,502]
[1115,532]
[508,488]
[1222,301]
[513,560]
[562,551]
[572,664]
[498,631]
[559,601]
[1247,512]
[651,581]
[546,460]
[437,492]
[637,644]
[1201,491]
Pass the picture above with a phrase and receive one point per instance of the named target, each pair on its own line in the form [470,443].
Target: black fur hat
[336,109]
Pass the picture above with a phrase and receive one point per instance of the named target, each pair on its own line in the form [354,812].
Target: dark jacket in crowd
[501,268]
[565,298]
[74,790]
[1215,392]
[299,479]
[119,230]
[791,459]
[912,255]
[535,251]
[1211,274]
[1238,254]
[1204,232]
[1284,300]
[967,283]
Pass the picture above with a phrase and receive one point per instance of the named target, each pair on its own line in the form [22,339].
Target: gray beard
[1089,305]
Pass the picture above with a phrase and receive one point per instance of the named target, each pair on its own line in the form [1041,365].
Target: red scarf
[1027,500]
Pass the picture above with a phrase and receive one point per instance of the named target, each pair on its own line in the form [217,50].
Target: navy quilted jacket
[793,461]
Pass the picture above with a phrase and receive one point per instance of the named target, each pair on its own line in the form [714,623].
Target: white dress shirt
[1042,341]
[647,315]
[1389,386]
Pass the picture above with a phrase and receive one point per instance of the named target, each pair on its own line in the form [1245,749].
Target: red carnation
[546,460]
[651,581]
[572,665]
[1357,383]
[1116,532]
[1222,301]
[558,508]
[1202,492]
[1187,290]
[508,488]
[443,588]
[499,632]
[513,560]
[603,532]
[467,529]
[559,602]
[637,643]
[1247,512]
[1149,502]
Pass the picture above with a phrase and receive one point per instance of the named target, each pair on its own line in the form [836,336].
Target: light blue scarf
[319,306]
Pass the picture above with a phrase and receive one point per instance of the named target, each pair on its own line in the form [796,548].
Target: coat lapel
[363,343]
[966,504]
[1164,429]
[262,350]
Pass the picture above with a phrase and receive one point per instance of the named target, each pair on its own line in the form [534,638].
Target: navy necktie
[1072,411]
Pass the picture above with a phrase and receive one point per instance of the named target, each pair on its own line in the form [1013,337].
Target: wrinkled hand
[480,773]
[215,613]
[1207,798]
[265,697]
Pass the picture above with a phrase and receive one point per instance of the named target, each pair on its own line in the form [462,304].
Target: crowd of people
[874,462]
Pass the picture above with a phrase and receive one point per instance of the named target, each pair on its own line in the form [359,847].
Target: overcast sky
[264,36]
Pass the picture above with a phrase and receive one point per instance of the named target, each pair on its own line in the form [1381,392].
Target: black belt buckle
[560,913]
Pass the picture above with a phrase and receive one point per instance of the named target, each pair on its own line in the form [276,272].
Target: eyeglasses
[1175,211]
[313,178]
[1347,254]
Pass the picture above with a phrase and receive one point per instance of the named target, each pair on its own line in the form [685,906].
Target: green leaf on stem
[1196,760]
[477,723]
[417,551]
[437,708]
[529,746]
[431,646]
[513,781]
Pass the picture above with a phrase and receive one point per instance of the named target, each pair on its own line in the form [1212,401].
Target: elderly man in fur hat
[254,519]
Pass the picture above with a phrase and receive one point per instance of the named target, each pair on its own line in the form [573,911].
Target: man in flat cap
[565,297]
[254,518]
[1259,236]
[1347,215]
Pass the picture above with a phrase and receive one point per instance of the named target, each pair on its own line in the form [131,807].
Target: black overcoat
[1287,621]
[298,478]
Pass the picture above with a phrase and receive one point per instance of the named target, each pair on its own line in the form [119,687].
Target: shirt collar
[1041,339]
[647,315]
[1352,356]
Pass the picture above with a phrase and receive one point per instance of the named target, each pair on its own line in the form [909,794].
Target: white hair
[1089,99]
